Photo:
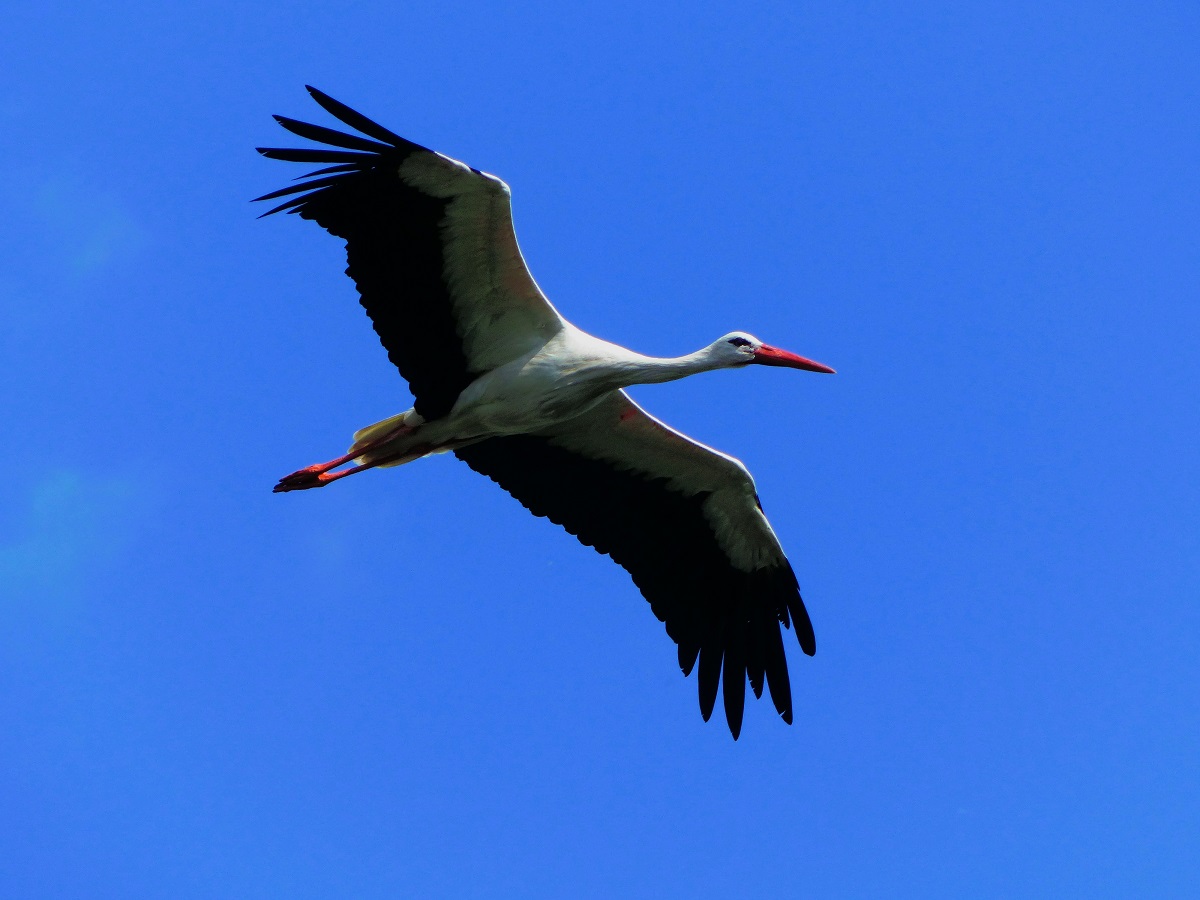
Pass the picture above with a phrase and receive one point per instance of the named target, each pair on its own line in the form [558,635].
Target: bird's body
[536,404]
[564,377]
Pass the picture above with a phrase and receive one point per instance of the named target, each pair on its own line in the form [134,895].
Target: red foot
[312,477]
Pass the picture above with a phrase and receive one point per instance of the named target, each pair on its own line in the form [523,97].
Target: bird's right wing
[685,521]
[430,245]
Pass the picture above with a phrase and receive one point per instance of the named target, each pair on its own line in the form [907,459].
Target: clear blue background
[984,216]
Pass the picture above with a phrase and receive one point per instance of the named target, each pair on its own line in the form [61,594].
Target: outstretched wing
[685,521]
[430,245]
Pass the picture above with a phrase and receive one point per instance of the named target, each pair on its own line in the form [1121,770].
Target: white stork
[524,397]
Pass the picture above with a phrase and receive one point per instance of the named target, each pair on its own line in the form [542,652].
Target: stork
[524,397]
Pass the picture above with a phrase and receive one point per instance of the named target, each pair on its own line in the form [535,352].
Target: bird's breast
[526,396]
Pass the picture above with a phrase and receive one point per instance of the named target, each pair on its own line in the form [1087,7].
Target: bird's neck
[640,369]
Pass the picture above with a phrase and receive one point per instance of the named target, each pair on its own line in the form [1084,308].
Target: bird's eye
[739,342]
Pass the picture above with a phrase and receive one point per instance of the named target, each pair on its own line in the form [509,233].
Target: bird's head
[741,349]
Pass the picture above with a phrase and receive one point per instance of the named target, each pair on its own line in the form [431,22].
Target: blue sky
[984,216]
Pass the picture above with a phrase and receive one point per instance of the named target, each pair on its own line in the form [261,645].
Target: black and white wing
[685,521]
[431,247]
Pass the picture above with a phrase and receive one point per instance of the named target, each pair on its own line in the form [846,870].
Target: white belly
[564,378]
[524,396]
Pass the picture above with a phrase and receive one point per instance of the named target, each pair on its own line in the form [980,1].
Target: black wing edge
[726,619]
[358,154]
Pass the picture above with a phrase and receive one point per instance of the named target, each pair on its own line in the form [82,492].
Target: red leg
[320,479]
[315,475]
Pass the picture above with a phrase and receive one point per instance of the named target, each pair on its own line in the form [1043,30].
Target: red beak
[773,356]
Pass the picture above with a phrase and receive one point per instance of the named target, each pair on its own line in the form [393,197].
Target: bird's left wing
[685,521]
[430,245]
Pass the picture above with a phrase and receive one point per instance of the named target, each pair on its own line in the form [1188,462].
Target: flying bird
[524,397]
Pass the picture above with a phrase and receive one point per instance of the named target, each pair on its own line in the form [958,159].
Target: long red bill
[773,356]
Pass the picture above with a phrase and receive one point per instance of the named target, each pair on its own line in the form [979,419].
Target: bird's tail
[365,436]
[395,441]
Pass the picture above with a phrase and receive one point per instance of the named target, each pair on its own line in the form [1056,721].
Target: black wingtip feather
[804,629]
[329,170]
[358,121]
[733,677]
[778,683]
[288,154]
[756,649]
[329,136]
[297,188]
[709,677]
[733,680]
[291,206]
[687,657]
